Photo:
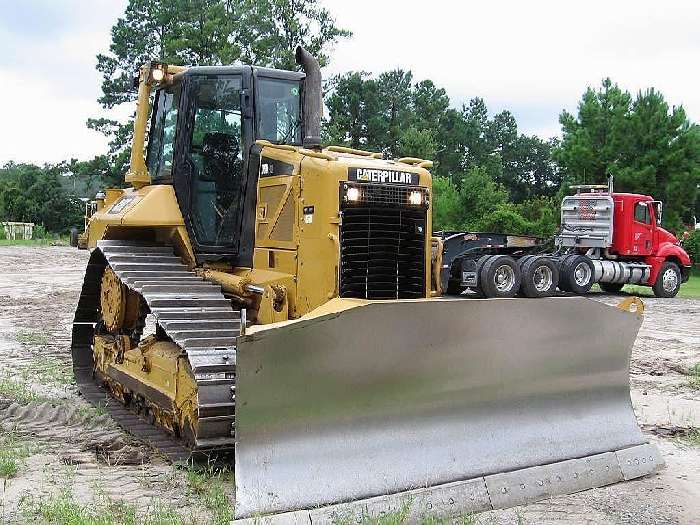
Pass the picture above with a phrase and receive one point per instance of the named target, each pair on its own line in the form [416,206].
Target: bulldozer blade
[365,399]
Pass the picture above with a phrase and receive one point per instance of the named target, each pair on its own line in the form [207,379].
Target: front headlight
[353,194]
[415,198]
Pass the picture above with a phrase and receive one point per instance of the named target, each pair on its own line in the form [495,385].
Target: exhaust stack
[312,98]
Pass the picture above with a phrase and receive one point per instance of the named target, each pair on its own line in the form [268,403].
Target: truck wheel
[612,288]
[499,277]
[576,274]
[668,282]
[540,277]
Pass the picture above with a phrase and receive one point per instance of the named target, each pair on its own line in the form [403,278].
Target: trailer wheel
[668,282]
[540,277]
[612,288]
[576,274]
[499,277]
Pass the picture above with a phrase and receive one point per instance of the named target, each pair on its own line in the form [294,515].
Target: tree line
[487,175]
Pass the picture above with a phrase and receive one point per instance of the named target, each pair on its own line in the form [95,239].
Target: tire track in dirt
[77,446]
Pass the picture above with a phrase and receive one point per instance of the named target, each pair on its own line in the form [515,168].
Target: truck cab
[621,234]
[637,220]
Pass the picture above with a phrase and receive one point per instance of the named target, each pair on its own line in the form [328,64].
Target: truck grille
[382,247]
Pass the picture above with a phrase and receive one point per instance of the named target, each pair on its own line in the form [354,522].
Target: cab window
[161,139]
[217,155]
[279,110]
[641,213]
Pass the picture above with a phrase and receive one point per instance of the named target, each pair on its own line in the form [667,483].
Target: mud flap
[385,397]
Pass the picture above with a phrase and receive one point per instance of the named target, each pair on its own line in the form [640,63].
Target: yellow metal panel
[157,205]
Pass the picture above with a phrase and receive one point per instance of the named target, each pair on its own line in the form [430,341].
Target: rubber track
[192,312]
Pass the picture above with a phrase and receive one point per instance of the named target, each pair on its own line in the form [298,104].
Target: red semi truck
[605,237]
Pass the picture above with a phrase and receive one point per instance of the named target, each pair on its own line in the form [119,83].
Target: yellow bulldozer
[257,294]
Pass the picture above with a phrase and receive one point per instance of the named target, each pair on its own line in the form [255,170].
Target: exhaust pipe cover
[313,105]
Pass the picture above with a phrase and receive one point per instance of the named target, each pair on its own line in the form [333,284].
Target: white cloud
[534,58]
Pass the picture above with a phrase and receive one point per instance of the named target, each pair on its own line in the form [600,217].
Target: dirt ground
[65,458]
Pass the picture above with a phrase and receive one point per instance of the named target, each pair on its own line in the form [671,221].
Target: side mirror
[658,211]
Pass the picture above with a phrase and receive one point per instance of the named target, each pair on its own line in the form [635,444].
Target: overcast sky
[531,57]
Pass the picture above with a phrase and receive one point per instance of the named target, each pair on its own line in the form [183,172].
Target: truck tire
[576,274]
[611,288]
[540,277]
[668,282]
[499,277]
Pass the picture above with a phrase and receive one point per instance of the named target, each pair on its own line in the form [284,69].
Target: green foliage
[13,453]
[39,232]
[692,246]
[695,376]
[208,484]
[481,204]
[447,205]
[481,163]
[504,219]
[648,147]
[204,32]
[29,193]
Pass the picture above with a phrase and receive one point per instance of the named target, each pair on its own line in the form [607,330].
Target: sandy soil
[72,446]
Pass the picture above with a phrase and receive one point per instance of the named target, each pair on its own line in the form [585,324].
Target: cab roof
[242,69]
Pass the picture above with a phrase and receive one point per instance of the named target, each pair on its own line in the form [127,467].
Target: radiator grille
[382,251]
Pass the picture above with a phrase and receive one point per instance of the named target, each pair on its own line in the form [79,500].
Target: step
[220,442]
[151,267]
[131,243]
[198,314]
[216,409]
[184,335]
[153,274]
[167,281]
[188,302]
[143,259]
[179,289]
[216,324]
[210,342]
[145,250]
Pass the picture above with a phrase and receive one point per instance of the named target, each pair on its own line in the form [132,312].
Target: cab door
[642,229]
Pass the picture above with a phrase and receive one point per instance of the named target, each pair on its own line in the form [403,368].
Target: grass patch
[49,371]
[690,437]
[63,509]
[693,437]
[90,412]
[207,484]
[31,338]
[464,519]
[59,241]
[14,390]
[9,467]
[695,376]
[13,453]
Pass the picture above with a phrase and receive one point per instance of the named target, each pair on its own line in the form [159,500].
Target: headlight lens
[415,198]
[353,194]
[157,74]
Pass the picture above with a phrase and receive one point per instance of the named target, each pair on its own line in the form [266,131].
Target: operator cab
[202,140]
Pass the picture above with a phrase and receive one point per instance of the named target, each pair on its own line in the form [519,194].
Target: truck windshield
[161,138]
[279,110]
